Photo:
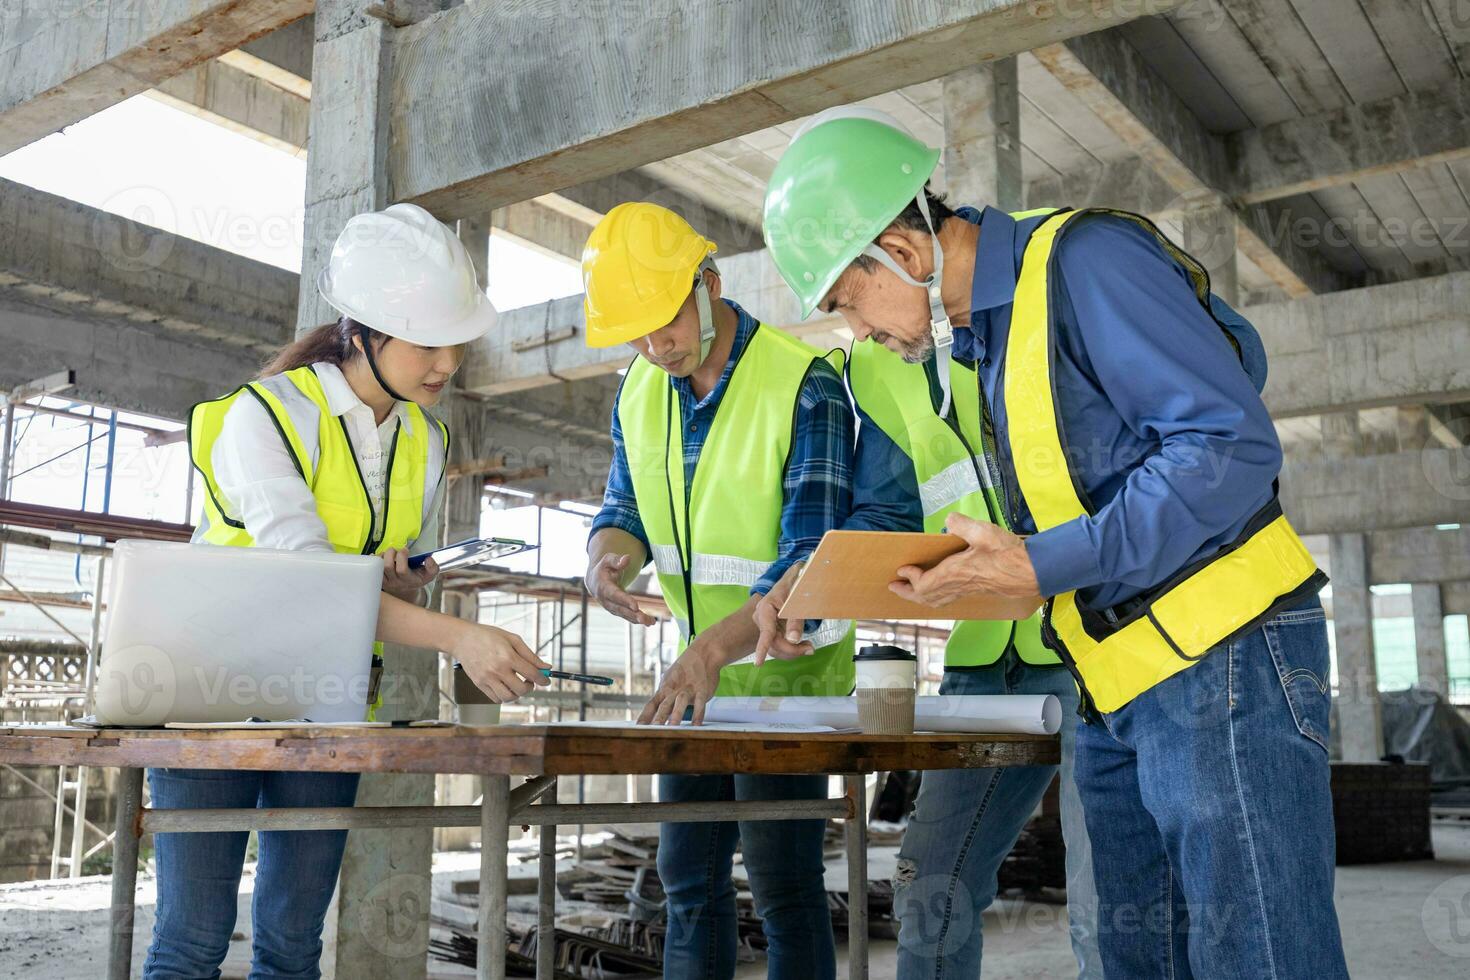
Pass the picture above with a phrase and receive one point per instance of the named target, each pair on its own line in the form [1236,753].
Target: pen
[584,678]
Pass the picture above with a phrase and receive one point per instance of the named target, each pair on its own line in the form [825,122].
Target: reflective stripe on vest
[713,543]
[323,454]
[705,569]
[951,473]
[1116,659]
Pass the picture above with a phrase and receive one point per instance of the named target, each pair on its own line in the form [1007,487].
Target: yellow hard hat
[638,267]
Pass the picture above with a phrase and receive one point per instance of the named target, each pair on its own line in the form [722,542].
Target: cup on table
[474,706]
[887,677]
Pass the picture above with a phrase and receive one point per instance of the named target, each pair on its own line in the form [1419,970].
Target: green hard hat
[847,174]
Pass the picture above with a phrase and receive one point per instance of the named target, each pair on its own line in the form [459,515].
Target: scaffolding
[43,680]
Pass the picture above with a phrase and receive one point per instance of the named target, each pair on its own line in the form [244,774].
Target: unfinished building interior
[1313,155]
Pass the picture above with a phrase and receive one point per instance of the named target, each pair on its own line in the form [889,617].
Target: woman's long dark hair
[331,342]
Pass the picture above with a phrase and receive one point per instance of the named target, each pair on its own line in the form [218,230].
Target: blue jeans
[965,822]
[199,874]
[1208,801]
[784,861]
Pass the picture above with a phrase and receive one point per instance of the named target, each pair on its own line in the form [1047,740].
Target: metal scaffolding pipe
[347,818]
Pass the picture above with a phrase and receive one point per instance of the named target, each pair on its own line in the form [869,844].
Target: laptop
[203,633]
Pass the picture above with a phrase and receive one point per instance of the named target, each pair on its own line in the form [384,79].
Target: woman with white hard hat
[330,449]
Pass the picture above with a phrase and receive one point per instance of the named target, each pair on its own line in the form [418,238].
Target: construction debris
[611,920]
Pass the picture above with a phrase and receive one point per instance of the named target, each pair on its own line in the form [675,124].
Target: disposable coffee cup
[473,705]
[886,680]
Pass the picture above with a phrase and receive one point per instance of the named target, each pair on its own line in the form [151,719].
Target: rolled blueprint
[1015,714]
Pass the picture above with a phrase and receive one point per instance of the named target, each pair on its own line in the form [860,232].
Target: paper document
[1002,714]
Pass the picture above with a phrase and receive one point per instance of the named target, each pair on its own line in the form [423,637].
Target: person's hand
[780,638]
[404,582]
[995,563]
[498,662]
[690,681]
[603,585]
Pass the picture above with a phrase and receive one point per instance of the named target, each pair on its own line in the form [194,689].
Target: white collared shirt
[258,477]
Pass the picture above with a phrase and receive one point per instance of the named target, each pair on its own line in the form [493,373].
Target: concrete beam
[546,343]
[239,100]
[597,197]
[1401,343]
[1393,344]
[1116,183]
[1455,597]
[56,248]
[1112,79]
[120,363]
[1125,92]
[1374,493]
[1423,555]
[1298,156]
[534,225]
[60,63]
[580,410]
[1329,149]
[286,53]
[580,93]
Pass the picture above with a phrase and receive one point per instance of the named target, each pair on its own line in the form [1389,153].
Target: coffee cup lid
[882,651]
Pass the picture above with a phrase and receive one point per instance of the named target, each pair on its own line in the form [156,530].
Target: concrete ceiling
[1237,67]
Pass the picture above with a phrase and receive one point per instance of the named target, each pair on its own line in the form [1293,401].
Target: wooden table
[542,752]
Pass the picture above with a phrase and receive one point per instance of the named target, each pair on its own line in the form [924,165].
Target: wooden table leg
[857,879]
[546,899]
[494,843]
[124,873]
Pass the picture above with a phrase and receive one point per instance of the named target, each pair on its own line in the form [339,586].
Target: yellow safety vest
[322,451]
[711,544]
[1205,604]
[955,469]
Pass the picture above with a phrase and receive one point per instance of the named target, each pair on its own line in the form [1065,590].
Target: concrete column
[1209,235]
[1359,717]
[1413,427]
[346,163]
[1341,435]
[982,136]
[1429,645]
[462,501]
[475,233]
[382,916]
[463,497]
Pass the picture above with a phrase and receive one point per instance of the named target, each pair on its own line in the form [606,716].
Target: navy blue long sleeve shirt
[1165,429]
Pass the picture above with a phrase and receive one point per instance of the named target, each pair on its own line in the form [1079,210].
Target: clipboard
[847,578]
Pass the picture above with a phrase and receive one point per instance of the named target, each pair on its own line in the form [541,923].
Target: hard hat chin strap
[367,348]
[706,314]
[940,328]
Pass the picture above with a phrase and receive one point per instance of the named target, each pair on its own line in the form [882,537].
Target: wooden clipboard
[847,578]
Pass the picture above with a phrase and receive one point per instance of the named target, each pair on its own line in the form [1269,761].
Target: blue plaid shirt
[817,489]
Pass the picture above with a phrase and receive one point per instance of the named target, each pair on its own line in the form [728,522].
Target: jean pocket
[1297,640]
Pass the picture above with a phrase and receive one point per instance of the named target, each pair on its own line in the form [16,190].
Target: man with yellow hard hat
[732,456]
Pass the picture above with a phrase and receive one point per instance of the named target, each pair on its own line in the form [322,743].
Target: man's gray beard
[919,351]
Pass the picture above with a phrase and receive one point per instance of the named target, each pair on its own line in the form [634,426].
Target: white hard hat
[403,273]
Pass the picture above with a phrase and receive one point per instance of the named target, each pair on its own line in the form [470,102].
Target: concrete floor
[1400,922]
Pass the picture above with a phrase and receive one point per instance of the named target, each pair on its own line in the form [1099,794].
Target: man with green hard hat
[1061,390]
